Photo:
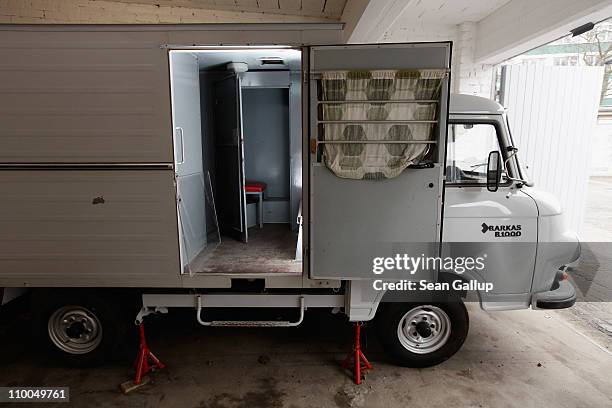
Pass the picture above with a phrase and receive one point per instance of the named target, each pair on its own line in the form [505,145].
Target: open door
[185,87]
[229,161]
[378,117]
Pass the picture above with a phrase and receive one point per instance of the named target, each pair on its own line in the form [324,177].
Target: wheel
[422,334]
[78,327]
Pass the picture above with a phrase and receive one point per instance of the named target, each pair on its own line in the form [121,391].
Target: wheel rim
[424,329]
[75,329]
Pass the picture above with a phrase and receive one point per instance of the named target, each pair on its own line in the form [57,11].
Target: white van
[261,166]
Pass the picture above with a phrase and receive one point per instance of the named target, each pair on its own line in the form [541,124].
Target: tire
[437,331]
[80,328]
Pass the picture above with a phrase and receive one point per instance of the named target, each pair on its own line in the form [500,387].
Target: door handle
[179,135]
[423,165]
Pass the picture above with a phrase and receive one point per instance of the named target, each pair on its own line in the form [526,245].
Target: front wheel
[422,334]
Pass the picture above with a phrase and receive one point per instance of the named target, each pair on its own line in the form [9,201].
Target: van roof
[462,103]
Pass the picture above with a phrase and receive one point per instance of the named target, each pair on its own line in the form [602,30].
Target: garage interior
[510,359]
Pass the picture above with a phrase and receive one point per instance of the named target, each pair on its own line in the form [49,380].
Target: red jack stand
[142,364]
[357,356]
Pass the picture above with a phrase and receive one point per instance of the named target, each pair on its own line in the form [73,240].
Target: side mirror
[494,171]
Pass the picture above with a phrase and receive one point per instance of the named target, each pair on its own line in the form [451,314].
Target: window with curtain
[365,115]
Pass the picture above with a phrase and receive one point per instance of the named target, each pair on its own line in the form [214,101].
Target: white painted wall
[470,77]
[467,75]
[553,114]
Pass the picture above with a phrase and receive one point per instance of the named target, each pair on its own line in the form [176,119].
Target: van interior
[238,152]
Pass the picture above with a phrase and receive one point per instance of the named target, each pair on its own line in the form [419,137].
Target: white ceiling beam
[367,21]
[522,25]
[351,15]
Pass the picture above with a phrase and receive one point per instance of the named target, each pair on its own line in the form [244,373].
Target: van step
[248,323]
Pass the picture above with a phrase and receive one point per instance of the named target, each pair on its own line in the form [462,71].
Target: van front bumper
[561,296]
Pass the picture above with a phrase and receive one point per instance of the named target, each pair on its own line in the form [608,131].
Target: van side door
[501,226]
[377,134]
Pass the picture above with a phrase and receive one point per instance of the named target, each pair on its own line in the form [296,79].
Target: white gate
[552,112]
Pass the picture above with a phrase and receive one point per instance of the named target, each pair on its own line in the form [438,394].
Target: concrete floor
[510,359]
[592,277]
[598,214]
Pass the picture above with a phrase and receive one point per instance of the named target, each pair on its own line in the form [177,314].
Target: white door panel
[503,227]
[354,221]
[185,82]
[185,87]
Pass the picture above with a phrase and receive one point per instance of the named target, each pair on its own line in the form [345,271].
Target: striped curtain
[358,106]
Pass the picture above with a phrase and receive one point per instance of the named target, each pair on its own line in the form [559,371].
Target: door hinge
[313,145]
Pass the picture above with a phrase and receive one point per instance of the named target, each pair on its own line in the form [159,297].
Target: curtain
[362,97]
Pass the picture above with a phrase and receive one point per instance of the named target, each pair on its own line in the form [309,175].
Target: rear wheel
[422,334]
[79,327]
[75,329]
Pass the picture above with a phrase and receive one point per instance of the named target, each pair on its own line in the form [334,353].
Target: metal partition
[84,227]
[354,221]
[89,97]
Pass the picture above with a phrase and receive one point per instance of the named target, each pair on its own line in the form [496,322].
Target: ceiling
[209,59]
[449,11]
[325,9]
[419,20]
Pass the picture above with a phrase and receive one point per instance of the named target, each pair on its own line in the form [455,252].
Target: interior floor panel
[271,250]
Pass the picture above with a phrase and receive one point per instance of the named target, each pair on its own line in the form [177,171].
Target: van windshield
[469,145]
